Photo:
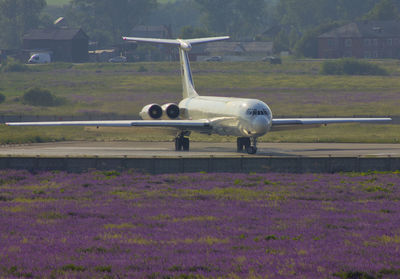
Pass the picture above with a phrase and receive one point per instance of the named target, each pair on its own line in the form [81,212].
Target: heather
[129,225]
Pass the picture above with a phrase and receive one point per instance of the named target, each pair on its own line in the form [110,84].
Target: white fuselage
[230,116]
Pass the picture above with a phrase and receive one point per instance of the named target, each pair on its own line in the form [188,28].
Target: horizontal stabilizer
[177,42]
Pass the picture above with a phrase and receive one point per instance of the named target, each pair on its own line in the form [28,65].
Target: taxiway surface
[198,149]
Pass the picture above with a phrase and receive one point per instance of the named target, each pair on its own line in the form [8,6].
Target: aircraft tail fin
[185,46]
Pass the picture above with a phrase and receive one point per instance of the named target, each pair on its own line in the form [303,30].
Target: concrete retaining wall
[157,165]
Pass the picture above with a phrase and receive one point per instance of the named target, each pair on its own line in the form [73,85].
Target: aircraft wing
[202,125]
[304,123]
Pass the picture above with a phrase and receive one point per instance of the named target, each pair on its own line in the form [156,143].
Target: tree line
[291,24]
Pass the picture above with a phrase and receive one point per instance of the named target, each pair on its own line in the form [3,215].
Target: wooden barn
[65,44]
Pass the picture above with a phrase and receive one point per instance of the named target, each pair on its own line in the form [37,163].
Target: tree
[106,21]
[384,10]
[303,17]
[233,17]
[305,14]
[189,32]
[307,46]
[351,10]
[16,18]
[177,14]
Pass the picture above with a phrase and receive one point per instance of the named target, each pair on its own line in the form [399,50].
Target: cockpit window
[257,112]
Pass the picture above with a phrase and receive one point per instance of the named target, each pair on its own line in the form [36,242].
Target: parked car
[272,60]
[214,59]
[118,59]
[40,58]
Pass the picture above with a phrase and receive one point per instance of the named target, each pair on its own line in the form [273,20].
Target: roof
[239,47]
[365,29]
[56,34]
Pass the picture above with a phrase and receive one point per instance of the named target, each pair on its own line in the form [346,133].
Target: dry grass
[292,89]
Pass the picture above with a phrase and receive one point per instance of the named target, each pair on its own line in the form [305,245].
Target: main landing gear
[182,143]
[248,144]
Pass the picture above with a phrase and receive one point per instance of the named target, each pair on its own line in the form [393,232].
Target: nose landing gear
[248,144]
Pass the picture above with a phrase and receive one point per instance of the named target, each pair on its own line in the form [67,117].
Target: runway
[197,150]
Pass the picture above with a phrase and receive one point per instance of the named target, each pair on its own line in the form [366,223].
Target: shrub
[103,268]
[142,69]
[352,66]
[72,267]
[41,97]
[15,67]
[2,98]
[353,275]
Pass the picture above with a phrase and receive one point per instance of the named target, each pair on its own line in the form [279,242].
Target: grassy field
[334,133]
[57,2]
[293,89]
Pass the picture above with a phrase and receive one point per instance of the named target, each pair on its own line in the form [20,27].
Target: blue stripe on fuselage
[188,71]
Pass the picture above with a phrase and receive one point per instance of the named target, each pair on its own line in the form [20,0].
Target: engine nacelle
[150,112]
[171,111]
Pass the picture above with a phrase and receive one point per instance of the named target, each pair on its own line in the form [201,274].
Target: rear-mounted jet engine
[152,111]
[171,111]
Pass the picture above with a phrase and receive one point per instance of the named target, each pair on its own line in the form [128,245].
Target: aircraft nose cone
[260,125]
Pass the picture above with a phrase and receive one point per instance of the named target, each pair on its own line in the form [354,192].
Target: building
[239,48]
[233,51]
[364,39]
[65,44]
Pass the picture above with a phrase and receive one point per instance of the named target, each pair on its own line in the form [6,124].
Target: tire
[251,150]
[242,143]
[246,142]
[185,144]
[178,144]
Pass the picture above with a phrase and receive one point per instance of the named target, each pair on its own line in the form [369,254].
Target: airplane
[246,119]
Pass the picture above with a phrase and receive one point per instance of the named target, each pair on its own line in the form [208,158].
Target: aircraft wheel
[185,144]
[246,142]
[251,150]
[242,143]
[178,144]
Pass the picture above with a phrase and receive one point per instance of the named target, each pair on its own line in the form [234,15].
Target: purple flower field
[130,225]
